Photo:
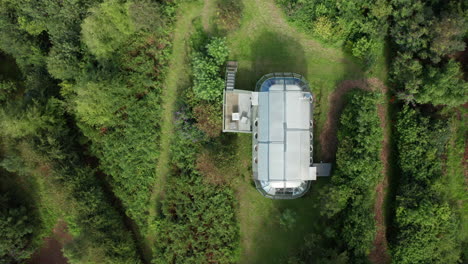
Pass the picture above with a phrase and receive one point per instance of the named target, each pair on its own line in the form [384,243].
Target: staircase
[231,69]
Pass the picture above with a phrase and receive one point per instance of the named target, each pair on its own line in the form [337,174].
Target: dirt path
[209,7]
[380,255]
[177,77]
[328,136]
[51,251]
[329,144]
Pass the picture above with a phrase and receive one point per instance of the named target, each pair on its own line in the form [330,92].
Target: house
[279,115]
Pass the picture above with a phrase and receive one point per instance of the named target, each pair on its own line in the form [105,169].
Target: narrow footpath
[177,78]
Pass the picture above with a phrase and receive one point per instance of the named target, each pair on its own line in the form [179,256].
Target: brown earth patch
[51,251]
[206,165]
[328,137]
[379,254]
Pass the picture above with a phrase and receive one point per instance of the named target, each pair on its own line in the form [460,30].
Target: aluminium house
[279,115]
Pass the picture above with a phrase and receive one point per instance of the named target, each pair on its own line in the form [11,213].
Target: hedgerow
[426,225]
[207,65]
[198,223]
[348,201]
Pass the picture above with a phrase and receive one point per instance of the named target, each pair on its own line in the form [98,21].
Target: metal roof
[282,135]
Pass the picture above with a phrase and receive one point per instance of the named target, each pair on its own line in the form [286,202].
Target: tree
[444,86]
[107,28]
[208,84]
[17,227]
[449,31]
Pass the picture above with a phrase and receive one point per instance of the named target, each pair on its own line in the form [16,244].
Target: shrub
[288,219]
[348,202]
[426,226]
[323,28]
[209,119]
[17,225]
[207,66]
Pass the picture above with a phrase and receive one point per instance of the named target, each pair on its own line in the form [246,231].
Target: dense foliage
[38,121]
[426,225]
[45,149]
[425,35]
[348,201]
[359,26]
[109,59]
[117,107]
[199,223]
[207,65]
[17,225]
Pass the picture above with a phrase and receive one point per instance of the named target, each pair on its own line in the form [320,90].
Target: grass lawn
[273,45]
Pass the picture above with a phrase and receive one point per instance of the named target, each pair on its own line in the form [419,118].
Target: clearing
[275,46]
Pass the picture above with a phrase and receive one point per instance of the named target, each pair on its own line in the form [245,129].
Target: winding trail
[177,77]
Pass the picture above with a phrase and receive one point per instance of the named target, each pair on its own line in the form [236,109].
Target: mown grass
[178,77]
[266,43]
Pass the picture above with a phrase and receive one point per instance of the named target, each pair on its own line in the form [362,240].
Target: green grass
[454,176]
[263,240]
[266,43]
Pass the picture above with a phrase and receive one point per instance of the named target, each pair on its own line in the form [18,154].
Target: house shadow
[271,52]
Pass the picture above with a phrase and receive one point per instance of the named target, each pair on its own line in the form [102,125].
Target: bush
[17,225]
[199,223]
[426,226]
[209,119]
[208,84]
[288,219]
[348,202]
